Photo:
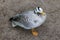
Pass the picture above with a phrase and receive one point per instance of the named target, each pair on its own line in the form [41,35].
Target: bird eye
[38,13]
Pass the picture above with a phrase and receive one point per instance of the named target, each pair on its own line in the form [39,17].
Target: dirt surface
[50,30]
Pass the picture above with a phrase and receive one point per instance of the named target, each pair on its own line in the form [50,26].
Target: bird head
[39,11]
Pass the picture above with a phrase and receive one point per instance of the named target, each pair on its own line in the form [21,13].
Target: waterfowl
[29,19]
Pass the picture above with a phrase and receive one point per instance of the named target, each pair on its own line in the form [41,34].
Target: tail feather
[11,19]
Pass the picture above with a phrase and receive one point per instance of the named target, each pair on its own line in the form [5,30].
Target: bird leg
[34,32]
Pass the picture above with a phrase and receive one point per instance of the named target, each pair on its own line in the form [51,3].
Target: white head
[39,10]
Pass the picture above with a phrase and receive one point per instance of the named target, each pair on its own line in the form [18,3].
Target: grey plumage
[28,20]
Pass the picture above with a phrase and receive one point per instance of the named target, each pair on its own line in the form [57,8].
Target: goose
[29,19]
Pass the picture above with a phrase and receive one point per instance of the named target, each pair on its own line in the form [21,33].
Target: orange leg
[34,32]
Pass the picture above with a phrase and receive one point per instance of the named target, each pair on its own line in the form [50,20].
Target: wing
[23,19]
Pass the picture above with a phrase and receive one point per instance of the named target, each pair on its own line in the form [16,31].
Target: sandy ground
[50,30]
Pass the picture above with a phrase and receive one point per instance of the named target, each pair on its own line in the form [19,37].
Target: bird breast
[31,20]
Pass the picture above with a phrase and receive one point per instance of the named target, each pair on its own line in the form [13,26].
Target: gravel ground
[50,30]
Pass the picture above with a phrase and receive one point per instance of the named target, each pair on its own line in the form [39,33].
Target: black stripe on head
[34,12]
[38,8]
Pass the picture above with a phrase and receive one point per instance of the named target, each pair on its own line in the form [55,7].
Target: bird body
[28,19]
